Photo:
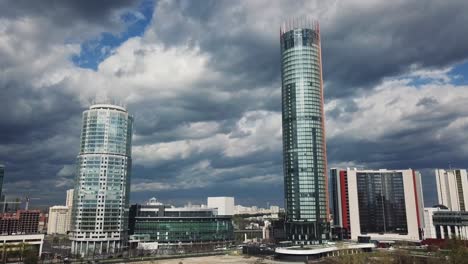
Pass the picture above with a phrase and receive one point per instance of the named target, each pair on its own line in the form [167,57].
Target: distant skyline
[203,81]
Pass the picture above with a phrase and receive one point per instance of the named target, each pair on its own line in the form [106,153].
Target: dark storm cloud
[39,132]
[198,105]
[65,13]
[29,114]
[422,142]
[254,194]
[427,101]
[40,119]
[361,44]
[385,41]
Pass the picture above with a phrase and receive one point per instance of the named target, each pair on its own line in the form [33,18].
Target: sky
[202,80]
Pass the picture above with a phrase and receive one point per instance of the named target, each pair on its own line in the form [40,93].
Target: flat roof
[318,249]
[108,106]
[378,170]
[177,209]
[22,237]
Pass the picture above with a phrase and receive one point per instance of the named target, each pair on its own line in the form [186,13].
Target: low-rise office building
[429,227]
[382,204]
[158,224]
[225,205]
[450,224]
[16,242]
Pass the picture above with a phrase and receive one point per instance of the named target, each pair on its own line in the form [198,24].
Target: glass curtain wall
[304,154]
[381,202]
[102,184]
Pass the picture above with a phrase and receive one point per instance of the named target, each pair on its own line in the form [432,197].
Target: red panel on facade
[344,199]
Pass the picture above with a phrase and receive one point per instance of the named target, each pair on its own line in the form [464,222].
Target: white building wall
[225,205]
[58,220]
[441,189]
[464,178]
[69,204]
[447,188]
[410,206]
[452,191]
[429,228]
[69,201]
[419,190]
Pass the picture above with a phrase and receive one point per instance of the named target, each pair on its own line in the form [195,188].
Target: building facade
[69,199]
[304,150]
[452,188]
[382,204]
[102,183]
[451,224]
[21,222]
[58,220]
[225,205]
[167,225]
[429,227]
[334,204]
[43,221]
[69,204]
[18,243]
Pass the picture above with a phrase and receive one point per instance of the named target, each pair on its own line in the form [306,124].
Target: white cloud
[66,171]
[256,131]
[429,116]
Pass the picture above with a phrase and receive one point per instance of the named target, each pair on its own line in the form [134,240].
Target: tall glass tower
[304,150]
[102,183]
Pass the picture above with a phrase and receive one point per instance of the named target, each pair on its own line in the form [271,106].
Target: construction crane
[27,199]
[8,202]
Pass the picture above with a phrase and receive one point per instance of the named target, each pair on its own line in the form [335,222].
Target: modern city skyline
[102,181]
[206,100]
[304,149]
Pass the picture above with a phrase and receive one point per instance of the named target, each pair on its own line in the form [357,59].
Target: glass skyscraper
[304,150]
[102,183]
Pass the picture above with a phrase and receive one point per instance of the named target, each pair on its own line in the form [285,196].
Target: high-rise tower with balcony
[102,183]
[304,149]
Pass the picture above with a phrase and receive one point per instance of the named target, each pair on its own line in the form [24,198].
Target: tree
[30,256]
[458,253]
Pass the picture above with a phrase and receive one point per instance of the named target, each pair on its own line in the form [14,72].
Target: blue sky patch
[94,51]
[459,74]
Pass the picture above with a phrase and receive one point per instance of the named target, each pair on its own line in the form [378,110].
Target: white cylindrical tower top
[108,107]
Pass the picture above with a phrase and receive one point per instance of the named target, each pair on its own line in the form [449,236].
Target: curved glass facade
[304,157]
[102,183]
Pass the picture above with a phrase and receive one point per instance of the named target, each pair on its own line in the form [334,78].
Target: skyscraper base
[307,233]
